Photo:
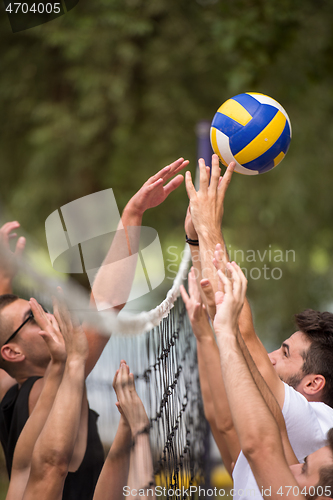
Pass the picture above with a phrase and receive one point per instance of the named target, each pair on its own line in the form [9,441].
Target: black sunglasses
[31,316]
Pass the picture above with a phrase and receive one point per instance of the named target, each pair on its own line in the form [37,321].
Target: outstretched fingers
[20,246]
[193,286]
[6,234]
[215,173]
[168,171]
[240,282]
[227,283]
[49,331]
[177,166]
[39,315]
[190,189]
[75,339]
[173,184]
[204,180]
[121,379]
[237,285]
[184,295]
[208,290]
[6,231]
[225,181]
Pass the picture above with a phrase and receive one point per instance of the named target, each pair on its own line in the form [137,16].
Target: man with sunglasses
[24,356]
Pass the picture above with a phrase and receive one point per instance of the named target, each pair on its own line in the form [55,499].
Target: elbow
[224,425]
[258,448]
[51,462]
[209,414]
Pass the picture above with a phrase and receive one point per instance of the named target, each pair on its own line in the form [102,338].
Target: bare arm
[207,206]
[35,423]
[128,466]
[114,474]
[211,380]
[141,474]
[270,401]
[114,279]
[256,427]
[209,410]
[214,397]
[55,444]
[112,285]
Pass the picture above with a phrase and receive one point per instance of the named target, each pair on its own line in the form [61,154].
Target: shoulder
[35,393]
[304,418]
[6,382]
[324,414]
[293,400]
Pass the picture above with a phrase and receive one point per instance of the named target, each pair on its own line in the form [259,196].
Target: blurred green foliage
[111,92]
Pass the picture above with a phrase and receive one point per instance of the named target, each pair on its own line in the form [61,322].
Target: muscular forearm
[210,355]
[115,470]
[141,475]
[224,435]
[57,439]
[256,427]
[32,429]
[113,282]
[254,345]
[270,401]
[251,415]
[38,417]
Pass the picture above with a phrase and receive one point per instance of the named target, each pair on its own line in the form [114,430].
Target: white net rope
[160,349]
[34,283]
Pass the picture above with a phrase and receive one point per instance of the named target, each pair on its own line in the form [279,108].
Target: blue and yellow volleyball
[252,130]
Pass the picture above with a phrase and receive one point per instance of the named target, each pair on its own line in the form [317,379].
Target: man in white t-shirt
[299,373]
[305,361]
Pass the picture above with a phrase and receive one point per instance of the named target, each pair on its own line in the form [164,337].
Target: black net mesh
[164,364]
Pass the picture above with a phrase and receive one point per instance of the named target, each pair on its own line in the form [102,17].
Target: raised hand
[8,263]
[49,331]
[206,204]
[230,302]
[129,404]
[155,191]
[206,285]
[74,337]
[194,306]
[189,227]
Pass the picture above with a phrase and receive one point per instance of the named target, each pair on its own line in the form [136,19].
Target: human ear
[313,384]
[12,353]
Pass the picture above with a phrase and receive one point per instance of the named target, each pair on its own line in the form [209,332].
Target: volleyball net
[160,349]
[164,363]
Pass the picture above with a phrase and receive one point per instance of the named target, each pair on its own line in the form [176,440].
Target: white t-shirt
[307,426]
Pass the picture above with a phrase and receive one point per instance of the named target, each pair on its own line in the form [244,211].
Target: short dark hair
[318,359]
[7,299]
[325,474]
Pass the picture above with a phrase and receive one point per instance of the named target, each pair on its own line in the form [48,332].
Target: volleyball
[252,130]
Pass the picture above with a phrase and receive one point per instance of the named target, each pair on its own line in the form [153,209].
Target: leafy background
[112,91]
